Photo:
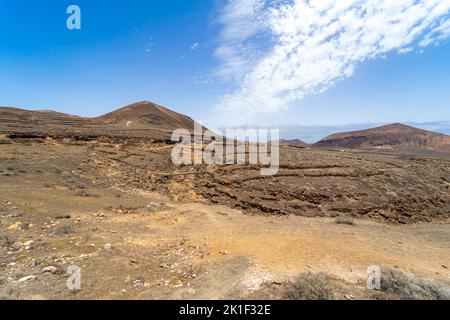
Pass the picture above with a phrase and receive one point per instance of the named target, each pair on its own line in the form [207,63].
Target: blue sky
[213,60]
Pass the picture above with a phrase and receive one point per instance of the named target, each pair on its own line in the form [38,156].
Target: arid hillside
[386,137]
[103,194]
[145,115]
[293,142]
[142,120]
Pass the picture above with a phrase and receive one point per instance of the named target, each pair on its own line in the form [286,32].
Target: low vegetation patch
[63,230]
[345,220]
[7,239]
[309,286]
[409,286]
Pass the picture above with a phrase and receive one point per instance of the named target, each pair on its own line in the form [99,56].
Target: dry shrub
[345,220]
[7,239]
[64,229]
[309,286]
[409,286]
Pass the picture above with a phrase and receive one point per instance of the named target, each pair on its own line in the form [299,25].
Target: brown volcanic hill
[143,120]
[293,142]
[144,114]
[397,134]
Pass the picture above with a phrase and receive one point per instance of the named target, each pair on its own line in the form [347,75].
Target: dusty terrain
[323,183]
[141,228]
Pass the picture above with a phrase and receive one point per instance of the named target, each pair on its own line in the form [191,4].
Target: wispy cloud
[149,45]
[194,46]
[279,51]
[242,20]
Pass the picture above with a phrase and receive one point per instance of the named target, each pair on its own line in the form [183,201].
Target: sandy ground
[136,244]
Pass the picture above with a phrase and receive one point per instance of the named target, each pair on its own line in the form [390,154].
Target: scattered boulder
[28,243]
[17,245]
[16,226]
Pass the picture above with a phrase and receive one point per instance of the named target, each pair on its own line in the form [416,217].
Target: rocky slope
[144,120]
[394,135]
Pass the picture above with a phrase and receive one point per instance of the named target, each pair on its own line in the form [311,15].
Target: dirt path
[279,248]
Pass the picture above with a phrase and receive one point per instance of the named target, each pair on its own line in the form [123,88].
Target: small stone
[16,226]
[108,247]
[17,245]
[138,283]
[28,278]
[49,269]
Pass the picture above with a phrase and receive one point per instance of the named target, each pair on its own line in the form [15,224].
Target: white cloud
[149,45]
[279,51]
[405,50]
[242,20]
[195,46]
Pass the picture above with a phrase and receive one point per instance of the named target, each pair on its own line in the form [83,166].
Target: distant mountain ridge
[293,142]
[311,134]
[146,120]
[398,135]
